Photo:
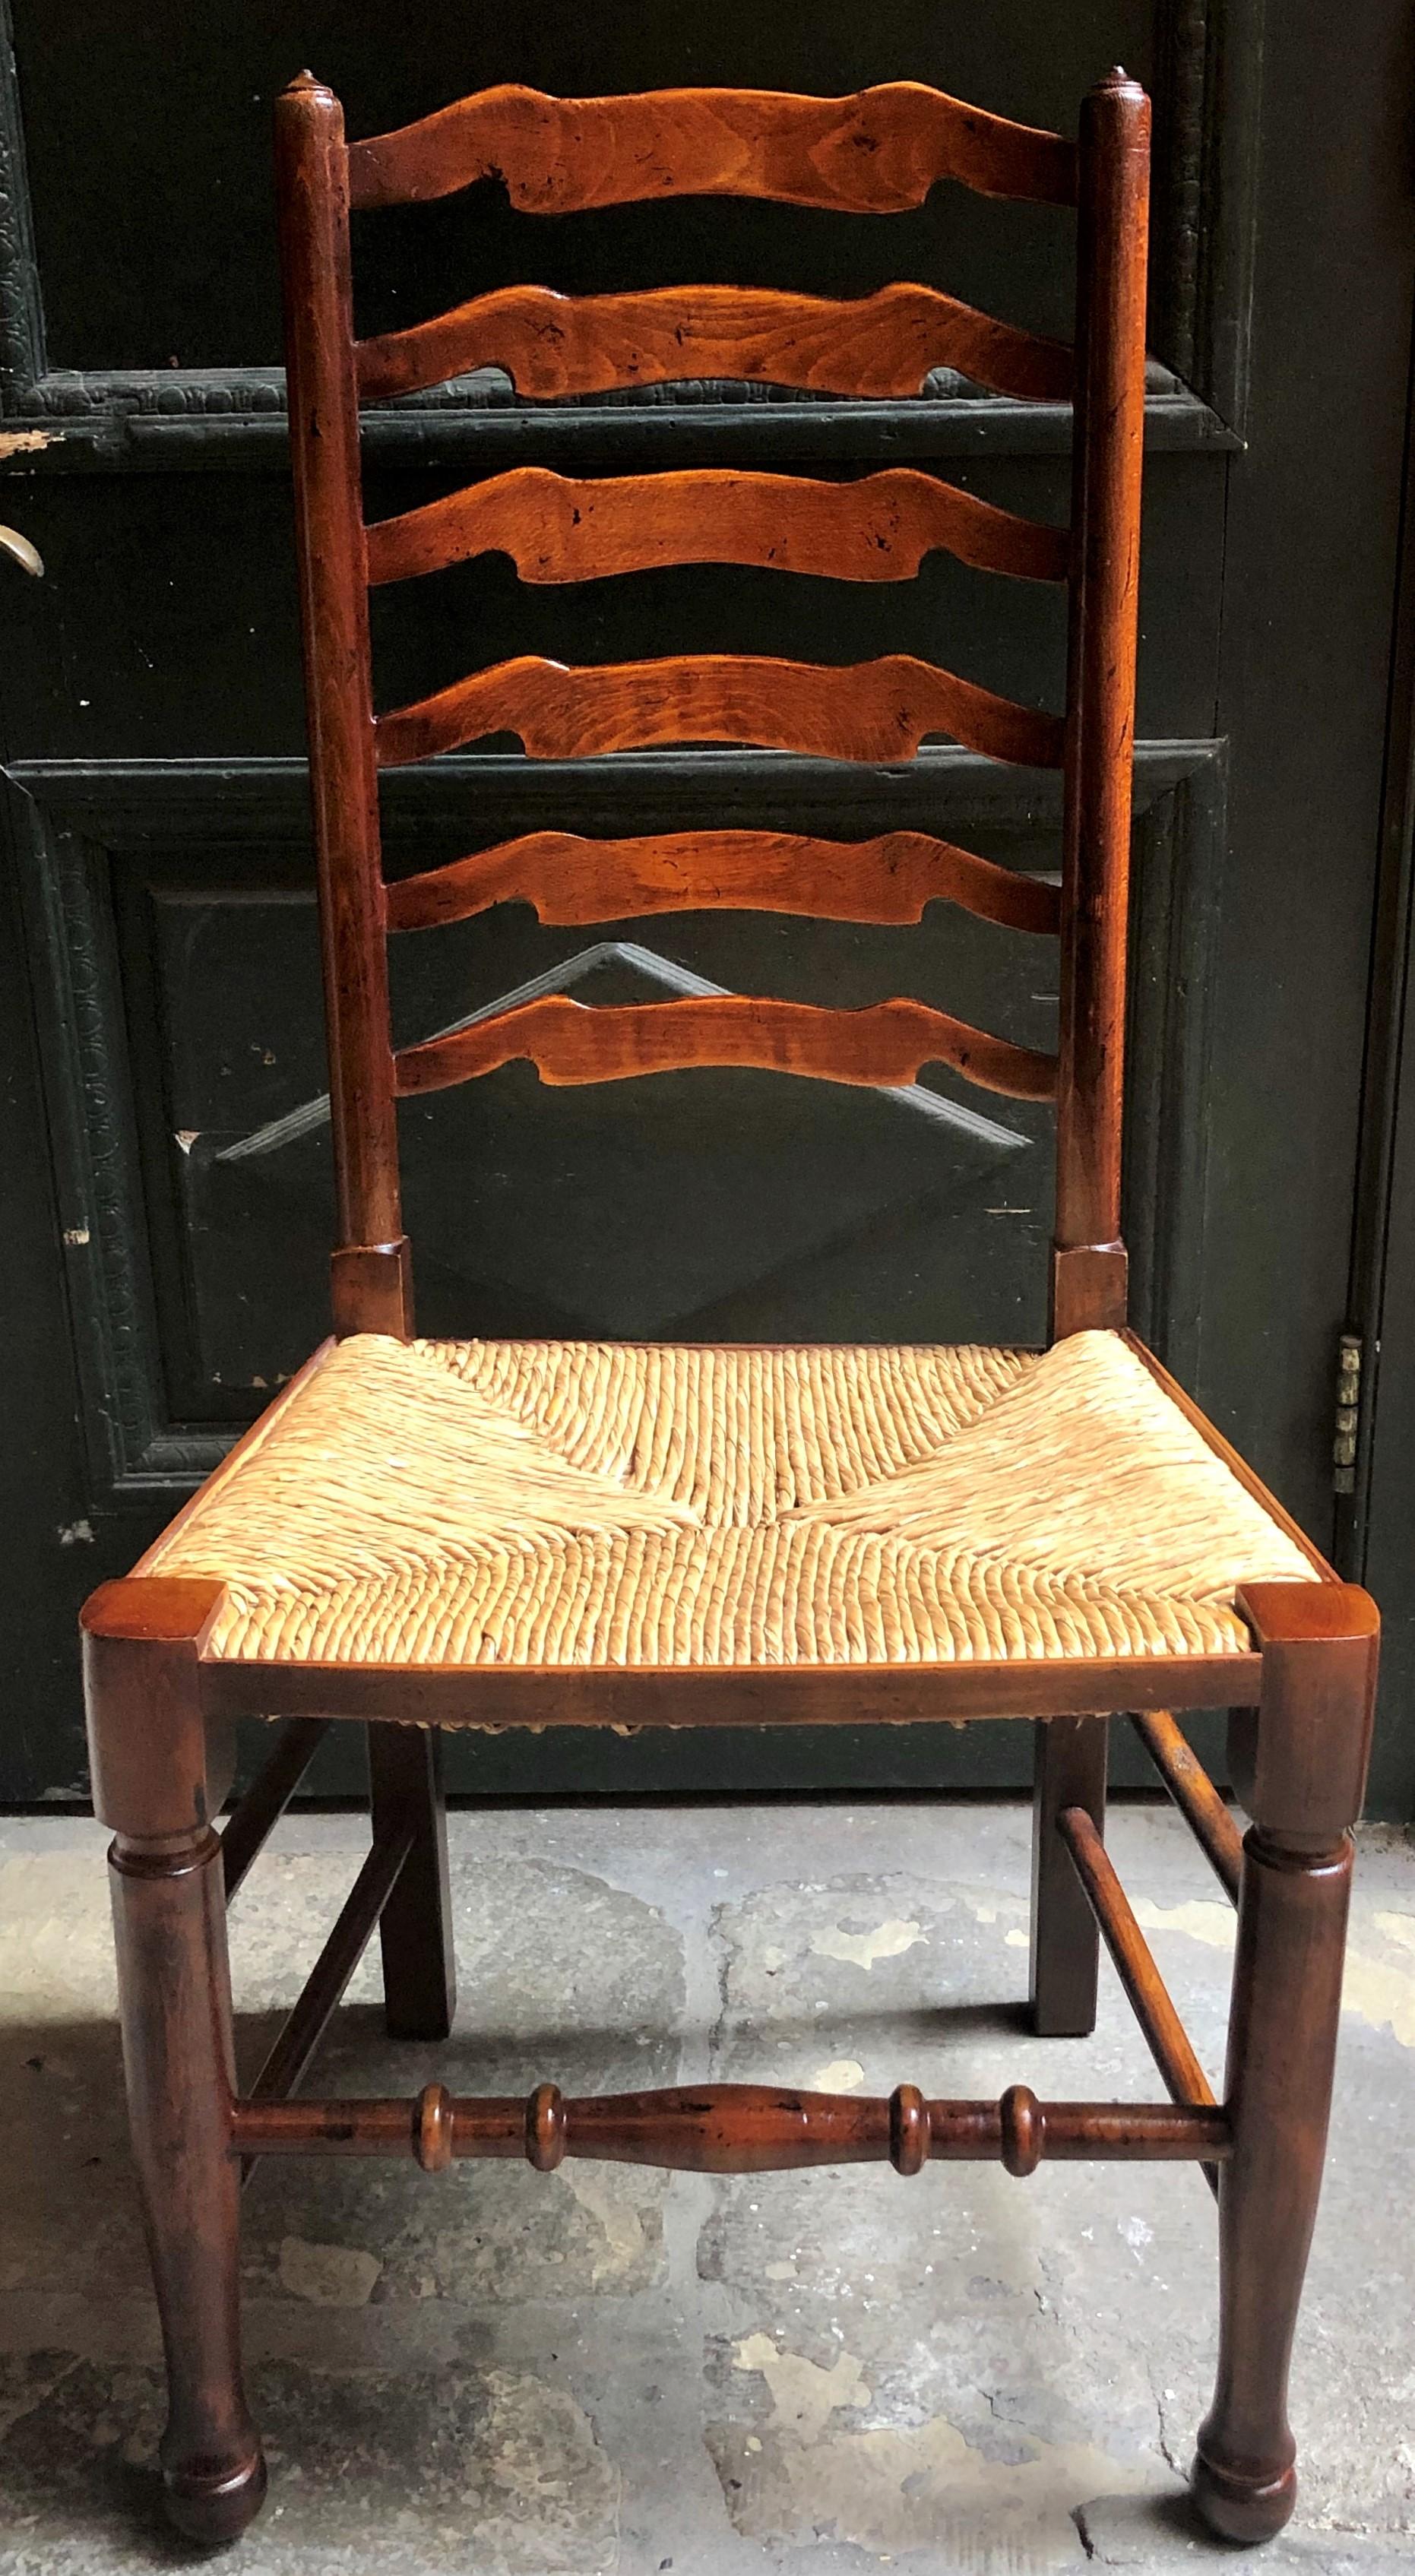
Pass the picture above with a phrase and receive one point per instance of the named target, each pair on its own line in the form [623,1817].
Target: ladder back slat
[877,152]
[568,1042]
[870,345]
[837,711]
[557,528]
[571,879]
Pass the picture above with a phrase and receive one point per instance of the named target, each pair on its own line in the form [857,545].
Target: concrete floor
[611,2369]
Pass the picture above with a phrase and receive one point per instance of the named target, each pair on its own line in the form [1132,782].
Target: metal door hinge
[1350,1352]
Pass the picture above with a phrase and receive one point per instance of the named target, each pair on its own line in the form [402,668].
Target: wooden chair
[419,1535]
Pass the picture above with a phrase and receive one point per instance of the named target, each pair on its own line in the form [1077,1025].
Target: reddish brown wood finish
[568,1042]
[1194,1794]
[1298,1761]
[324,453]
[162,1708]
[1150,2000]
[148,1748]
[874,153]
[415,1925]
[570,879]
[731,2128]
[1304,1768]
[838,711]
[873,345]
[1110,429]
[556,529]
[324,1988]
[1069,1770]
[488,1695]
[246,1832]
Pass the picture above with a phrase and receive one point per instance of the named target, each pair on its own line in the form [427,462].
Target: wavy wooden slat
[571,1042]
[874,153]
[550,344]
[837,711]
[556,528]
[570,879]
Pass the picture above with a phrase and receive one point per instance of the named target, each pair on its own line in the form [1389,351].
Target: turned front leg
[174,1995]
[1299,1767]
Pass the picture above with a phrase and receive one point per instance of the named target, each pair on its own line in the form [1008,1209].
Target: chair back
[876,153]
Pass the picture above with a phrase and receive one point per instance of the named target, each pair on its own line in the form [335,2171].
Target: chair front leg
[1070,1771]
[174,1992]
[1300,1772]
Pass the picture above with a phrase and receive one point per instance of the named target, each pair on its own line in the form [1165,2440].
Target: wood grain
[1150,1999]
[1069,1766]
[569,1042]
[728,2128]
[1100,694]
[838,711]
[876,152]
[552,344]
[313,206]
[554,528]
[1193,1793]
[570,879]
[148,1743]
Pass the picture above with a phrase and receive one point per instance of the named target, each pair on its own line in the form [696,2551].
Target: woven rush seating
[582,1503]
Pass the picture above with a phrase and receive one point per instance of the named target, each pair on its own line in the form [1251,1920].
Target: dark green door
[166,1148]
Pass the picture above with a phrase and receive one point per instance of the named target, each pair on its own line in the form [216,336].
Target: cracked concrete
[603,2369]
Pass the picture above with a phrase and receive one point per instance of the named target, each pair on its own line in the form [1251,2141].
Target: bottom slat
[732,2128]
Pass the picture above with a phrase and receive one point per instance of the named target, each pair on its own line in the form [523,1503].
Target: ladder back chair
[418,1535]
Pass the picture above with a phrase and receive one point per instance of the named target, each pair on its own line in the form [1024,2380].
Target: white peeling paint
[329,2276]
[1380,1992]
[915,2486]
[842,2075]
[803,2395]
[861,1949]
[602,2197]
[1215,1925]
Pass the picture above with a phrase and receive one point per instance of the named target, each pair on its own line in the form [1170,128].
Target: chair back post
[1089,1262]
[371,1279]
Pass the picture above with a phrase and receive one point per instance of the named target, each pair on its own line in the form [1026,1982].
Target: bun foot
[215,2505]
[1243,2509]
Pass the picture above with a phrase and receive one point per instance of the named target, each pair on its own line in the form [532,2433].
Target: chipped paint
[893,2487]
[329,2276]
[624,2250]
[1215,1925]
[842,2075]
[1382,1993]
[862,1949]
[549,2497]
[803,2395]
[1379,1992]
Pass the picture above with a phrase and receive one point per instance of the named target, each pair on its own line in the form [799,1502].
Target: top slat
[877,152]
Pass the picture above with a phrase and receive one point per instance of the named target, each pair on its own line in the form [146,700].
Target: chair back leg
[415,1929]
[1070,1771]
